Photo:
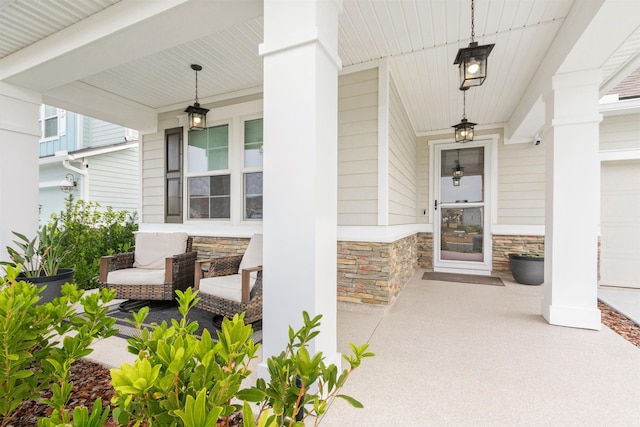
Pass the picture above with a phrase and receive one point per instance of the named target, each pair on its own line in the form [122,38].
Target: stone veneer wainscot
[368,272]
[505,245]
[374,272]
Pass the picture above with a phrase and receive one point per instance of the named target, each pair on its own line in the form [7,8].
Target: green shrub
[37,347]
[181,380]
[92,233]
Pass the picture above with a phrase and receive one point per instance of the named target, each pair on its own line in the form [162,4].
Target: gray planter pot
[53,283]
[527,270]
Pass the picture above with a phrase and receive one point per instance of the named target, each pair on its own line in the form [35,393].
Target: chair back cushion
[152,248]
[253,255]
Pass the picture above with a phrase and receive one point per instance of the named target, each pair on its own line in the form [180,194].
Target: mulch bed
[92,380]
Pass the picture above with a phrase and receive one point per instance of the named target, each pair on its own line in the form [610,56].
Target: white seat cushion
[153,248]
[227,287]
[136,276]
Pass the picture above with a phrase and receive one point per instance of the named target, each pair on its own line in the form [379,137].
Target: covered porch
[286,62]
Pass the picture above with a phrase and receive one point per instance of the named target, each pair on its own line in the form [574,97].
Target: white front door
[462,238]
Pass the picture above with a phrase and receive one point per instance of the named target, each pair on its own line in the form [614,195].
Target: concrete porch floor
[455,354]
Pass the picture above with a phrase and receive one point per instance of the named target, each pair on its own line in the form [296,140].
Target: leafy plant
[42,255]
[302,384]
[37,347]
[181,380]
[94,232]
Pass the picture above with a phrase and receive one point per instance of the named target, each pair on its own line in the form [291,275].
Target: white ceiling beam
[117,35]
[579,17]
[93,102]
[585,41]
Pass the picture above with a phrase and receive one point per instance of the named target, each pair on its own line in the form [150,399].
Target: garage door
[620,224]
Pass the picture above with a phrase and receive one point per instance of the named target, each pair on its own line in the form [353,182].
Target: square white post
[572,201]
[19,170]
[300,171]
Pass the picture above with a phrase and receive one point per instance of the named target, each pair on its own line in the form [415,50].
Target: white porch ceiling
[418,38]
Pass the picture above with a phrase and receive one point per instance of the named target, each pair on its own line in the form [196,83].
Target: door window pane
[471,185]
[253,195]
[253,143]
[209,149]
[461,234]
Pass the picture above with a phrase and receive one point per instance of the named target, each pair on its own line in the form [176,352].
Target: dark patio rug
[167,310]
[463,278]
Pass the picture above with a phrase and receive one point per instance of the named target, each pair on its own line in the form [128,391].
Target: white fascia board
[617,155]
[93,102]
[97,151]
[619,108]
[60,156]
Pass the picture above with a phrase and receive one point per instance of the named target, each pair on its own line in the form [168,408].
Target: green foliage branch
[39,343]
[181,380]
[93,232]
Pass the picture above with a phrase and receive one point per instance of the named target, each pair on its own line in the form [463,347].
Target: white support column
[19,171]
[301,66]
[572,200]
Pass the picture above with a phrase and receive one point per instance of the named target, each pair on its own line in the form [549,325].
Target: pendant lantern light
[197,114]
[472,60]
[464,129]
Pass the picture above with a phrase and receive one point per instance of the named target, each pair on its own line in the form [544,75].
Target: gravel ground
[92,380]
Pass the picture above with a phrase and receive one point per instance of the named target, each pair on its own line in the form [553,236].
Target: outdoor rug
[463,278]
[167,310]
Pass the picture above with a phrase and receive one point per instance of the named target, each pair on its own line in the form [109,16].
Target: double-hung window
[252,171]
[52,122]
[209,184]
[223,168]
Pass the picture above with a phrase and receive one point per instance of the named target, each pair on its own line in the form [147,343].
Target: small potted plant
[41,259]
[527,269]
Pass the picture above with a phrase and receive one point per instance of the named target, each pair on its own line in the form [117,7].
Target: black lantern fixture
[472,60]
[464,129]
[197,114]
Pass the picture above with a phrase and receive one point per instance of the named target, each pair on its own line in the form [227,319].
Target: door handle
[435,205]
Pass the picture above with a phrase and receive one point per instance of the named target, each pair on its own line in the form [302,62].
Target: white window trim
[244,170]
[234,116]
[61,117]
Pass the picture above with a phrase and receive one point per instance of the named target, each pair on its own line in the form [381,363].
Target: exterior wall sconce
[197,114]
[472,60]
[464,130]
[68,184]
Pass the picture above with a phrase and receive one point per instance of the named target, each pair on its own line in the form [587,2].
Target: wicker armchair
[167,265]
[232,284]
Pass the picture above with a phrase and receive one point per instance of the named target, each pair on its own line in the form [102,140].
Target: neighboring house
[100,157]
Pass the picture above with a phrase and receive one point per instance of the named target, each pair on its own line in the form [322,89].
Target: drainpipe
[84,172]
